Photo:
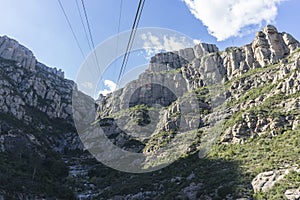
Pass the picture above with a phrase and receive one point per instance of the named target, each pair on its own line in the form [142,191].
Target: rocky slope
[248,78]
[36,126]
[228,121]
[249,92]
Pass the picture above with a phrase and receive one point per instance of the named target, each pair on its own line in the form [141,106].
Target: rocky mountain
[36,125]
[225,122]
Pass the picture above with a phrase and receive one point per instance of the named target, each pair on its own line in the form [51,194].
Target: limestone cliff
[251,93]
[36,125]
[194,70]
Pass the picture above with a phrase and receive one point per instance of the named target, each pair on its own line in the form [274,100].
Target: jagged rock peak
[269,45]
[270,29]
[176,59]
[10,49]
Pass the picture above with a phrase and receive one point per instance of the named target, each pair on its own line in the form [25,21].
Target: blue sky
[41,26]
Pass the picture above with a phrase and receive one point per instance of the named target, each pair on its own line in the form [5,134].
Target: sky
[42,27]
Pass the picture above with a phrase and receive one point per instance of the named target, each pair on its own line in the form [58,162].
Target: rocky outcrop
[203,63]
[256,83]
[42,90]
[36,122]
[254,106]
[11,50]
[191,69]
[239,60]
[177,59]
[26,82]
[37,96]
[292,194]
[266,180]
[268,47]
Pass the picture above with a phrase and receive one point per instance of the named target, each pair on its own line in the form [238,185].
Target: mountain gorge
[217,124]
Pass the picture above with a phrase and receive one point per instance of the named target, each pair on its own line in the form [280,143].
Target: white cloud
[164,43]
[111,86]
[227,18]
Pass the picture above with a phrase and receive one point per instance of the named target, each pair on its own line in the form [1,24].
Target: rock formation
[12,50]
[206,110]
[191,69]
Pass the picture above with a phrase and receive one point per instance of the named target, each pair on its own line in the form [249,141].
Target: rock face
[191,69]
[258,84]
[292,194]
[37,95]
[268,47]
[12,50]
[266,180]
[36,121]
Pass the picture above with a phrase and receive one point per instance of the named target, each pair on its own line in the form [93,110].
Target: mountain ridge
[252,90]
